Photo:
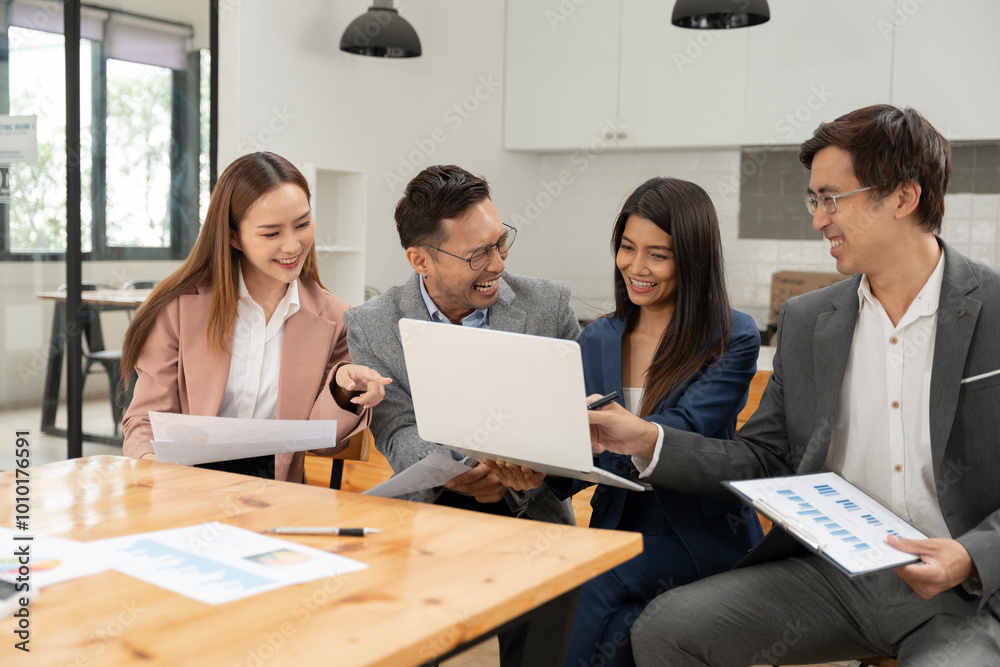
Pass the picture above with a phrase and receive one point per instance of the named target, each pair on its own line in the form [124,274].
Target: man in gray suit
[892,380]
[456,243]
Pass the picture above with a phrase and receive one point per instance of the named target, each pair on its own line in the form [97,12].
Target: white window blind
[126,37]
[47,16]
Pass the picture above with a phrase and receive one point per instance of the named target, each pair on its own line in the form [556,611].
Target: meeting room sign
[18,143]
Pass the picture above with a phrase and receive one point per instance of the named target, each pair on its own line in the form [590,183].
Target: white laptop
[502,396]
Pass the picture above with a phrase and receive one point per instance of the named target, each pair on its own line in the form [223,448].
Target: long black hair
[702,321]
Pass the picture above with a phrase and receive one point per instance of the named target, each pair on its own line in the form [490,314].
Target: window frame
[185,153]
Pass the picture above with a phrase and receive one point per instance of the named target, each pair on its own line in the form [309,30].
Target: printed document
[195,439]
[217,563]
[433,470]
[832,517]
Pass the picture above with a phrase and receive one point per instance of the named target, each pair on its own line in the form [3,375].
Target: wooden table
[439,579]
[94,301]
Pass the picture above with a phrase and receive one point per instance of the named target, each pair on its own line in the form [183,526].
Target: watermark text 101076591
[22,543]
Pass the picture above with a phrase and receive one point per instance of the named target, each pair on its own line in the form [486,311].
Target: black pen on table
[323,530]
[602,401]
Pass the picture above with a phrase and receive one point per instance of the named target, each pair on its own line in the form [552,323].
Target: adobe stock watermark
[448,639]
[551,189]
[786,126]
[604,653]
[410,162]
[495,420]
[791,635]
[694,48]
[562,12]
[901,14]
[269,643]
[278,122]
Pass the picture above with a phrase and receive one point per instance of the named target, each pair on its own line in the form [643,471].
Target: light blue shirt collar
[478,318]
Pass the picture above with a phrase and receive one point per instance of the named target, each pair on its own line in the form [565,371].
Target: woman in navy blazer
[677,355]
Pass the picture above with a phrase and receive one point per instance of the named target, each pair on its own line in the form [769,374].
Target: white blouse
[633,399]
[252,386]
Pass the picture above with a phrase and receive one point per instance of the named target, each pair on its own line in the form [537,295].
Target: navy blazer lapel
[832,341]
[611,358]
[504,315]
[956,322]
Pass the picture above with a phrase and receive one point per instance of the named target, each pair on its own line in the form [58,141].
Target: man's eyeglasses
[829,202]
[481,256]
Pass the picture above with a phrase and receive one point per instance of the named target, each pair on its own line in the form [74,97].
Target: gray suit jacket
[524,305]
[792,428]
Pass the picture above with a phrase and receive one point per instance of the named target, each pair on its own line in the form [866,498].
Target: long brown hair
[213,259]
[702,322]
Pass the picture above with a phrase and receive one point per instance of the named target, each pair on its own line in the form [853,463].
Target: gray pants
[803,610]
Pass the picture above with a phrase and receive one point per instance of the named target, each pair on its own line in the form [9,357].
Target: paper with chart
[52,559]
[195,439]
[216,563]
[832,516]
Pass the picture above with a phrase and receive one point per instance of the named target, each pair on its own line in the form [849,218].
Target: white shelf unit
[338,204]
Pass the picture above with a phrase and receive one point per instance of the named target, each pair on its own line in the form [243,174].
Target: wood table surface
[438,578]
[126,298]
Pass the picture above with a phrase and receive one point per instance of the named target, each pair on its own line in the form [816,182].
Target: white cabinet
[814,61]
[947,64]
[338,205]
[561,78]
[618,74]
[679,87]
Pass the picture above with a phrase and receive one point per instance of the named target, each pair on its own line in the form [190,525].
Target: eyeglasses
[480,257]
[829,202]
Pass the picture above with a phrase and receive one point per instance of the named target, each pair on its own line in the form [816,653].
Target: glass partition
[143,165]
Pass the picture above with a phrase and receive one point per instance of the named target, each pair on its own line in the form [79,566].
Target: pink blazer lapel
[308,340]
[205,373]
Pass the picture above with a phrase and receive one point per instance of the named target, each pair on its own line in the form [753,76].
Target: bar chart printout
[217,563]
[833,517]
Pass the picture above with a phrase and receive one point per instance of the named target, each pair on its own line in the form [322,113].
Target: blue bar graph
[826,490]
[848,505]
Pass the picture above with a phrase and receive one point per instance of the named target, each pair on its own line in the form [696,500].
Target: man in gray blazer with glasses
[456,244]
[892,380]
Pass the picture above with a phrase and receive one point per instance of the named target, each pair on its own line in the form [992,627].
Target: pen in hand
[323,530]
[602,401]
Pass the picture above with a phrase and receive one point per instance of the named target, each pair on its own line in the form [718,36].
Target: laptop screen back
[497,393]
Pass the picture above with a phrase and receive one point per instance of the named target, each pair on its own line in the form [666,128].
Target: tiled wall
[572,231]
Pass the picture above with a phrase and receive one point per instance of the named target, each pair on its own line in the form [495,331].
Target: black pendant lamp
[720,14]
[382,33]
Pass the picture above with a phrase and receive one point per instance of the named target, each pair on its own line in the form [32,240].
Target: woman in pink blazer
[244,328]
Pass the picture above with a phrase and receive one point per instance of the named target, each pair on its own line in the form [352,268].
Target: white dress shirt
[882,439]
[252,387]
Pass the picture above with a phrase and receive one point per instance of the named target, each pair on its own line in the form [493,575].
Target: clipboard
[833,518]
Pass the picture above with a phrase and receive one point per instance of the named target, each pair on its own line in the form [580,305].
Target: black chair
[95,355]
[138,284]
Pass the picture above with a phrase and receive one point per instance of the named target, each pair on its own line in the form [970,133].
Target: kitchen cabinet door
[814,61]
[679,87]
[561,77]
[947,65]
